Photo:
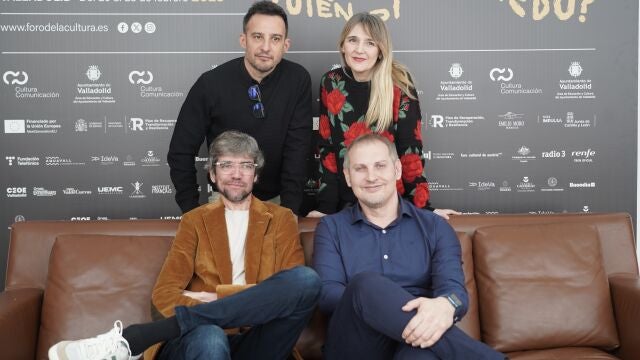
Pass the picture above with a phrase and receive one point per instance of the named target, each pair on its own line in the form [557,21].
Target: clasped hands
[433,317]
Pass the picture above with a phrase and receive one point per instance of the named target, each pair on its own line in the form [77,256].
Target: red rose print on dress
[323,96]
[324,127]
[329,162]
[411,167]
[356,129]
[400,186]
[335,101]
[388,135]
[421,195]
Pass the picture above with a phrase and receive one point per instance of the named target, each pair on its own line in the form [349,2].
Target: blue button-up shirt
[419,250]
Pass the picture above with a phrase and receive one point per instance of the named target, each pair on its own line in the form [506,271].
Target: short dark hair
[265,8]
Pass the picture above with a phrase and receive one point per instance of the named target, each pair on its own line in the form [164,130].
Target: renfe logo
[584,153]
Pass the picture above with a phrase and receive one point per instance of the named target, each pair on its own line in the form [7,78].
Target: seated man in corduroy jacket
[238,245]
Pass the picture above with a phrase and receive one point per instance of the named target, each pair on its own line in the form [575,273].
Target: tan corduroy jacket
[200,260]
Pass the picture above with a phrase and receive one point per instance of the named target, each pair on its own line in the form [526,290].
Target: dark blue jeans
[277,310]
[368,324]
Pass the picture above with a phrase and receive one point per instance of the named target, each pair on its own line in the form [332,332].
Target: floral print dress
[344,103]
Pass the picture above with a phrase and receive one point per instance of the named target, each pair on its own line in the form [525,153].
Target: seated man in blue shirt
[391,273]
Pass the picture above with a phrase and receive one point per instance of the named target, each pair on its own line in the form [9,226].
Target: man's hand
[202,296]
[444,213]
[433,318]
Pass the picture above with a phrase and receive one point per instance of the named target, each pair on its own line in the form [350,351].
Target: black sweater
[219,101]
[344,103]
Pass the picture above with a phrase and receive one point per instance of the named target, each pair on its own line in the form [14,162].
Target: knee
[208,341]
[306,282]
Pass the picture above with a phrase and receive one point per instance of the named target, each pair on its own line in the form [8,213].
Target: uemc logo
[15,77]
[110,190]
[16,192]
[144,77]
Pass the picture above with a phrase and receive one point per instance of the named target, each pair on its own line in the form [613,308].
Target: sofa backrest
[94,280]
[31,242]
[543,286]
[615,231]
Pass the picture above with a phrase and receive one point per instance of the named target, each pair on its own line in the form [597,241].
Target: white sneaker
[107,346]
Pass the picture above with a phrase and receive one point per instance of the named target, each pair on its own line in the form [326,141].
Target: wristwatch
[454,300]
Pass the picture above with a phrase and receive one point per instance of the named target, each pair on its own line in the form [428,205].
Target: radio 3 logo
[144,77]
[15,77]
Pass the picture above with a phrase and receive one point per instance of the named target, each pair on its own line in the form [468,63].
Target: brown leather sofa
[541,286]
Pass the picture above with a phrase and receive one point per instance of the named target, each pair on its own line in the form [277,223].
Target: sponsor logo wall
[523,109]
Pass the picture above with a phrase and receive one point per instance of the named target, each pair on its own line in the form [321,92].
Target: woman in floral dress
[370,93]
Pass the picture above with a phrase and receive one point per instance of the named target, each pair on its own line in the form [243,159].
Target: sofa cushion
[94,280]
[470,323]
[562,354]
[542,286]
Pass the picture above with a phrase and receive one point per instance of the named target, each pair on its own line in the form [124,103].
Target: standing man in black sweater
[260,94]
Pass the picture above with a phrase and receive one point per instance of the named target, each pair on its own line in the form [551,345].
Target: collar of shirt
[357,214]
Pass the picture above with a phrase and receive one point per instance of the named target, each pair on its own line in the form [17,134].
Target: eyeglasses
[227,167]
[257,108]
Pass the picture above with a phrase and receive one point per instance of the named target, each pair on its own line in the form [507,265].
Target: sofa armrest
[20,322]
[625,293]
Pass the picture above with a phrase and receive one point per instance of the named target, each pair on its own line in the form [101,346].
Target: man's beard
[257,66]
[238,197]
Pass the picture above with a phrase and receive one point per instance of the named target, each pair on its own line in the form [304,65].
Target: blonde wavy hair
[386,72]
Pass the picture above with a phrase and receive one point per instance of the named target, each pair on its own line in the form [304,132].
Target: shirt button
[385,256]
[384,231]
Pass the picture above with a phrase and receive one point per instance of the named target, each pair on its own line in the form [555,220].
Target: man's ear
[255,178]
[243,40]
[287,44]
[212,176]
[345,171]
[398,168]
